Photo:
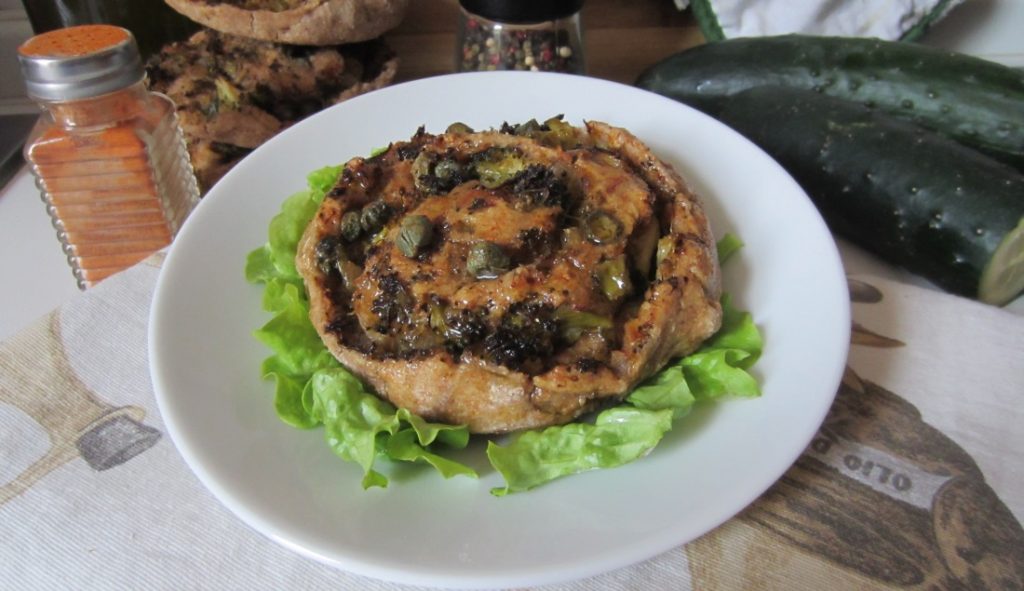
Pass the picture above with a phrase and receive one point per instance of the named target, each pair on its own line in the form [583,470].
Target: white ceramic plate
[425,530]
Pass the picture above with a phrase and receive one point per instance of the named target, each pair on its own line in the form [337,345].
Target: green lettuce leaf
[259,267]
[321,180]
[427,433]
[290,335]
[403,446]
[738,332]
[667,389]
[729,245]
[352,420]
[276,258]
[288,392]
[711,374]
[360,427]
[618,436]
[298,350]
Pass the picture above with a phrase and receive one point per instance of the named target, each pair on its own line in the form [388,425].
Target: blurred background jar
[108,155]
[152,22]
[529,35]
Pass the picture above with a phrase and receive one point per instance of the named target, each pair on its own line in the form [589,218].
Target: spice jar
[536,35]
[108,155]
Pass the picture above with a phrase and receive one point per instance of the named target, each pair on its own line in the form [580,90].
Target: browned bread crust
[299,22]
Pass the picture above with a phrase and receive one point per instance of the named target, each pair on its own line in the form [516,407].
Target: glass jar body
[115,176]
[554,45]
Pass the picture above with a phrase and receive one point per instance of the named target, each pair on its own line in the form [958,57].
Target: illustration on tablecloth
[879,500]
[77,423]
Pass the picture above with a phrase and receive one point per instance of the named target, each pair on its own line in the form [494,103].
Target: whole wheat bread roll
[298,22]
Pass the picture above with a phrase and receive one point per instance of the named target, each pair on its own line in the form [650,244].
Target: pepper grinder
[529,35]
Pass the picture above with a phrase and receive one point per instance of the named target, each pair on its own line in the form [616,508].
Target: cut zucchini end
[1003,277]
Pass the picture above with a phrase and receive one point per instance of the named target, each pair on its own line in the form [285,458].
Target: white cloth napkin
[916,479]
[885,19]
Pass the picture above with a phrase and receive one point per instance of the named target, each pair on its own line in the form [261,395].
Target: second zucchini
[914,198]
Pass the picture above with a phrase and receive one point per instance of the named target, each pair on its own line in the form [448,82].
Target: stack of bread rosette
[258,66]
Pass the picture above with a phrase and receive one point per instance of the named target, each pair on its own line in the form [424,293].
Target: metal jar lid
[522,11]
[80,62]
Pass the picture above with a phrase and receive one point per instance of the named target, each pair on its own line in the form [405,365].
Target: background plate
[422,529]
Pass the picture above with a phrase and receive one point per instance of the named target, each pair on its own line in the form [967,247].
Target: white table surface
[36,277]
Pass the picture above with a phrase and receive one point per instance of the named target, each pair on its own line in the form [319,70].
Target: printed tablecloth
[915,480]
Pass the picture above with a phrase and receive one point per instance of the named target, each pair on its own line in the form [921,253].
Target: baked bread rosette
[234,93]
[512,278]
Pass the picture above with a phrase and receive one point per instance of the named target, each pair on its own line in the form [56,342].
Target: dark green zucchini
[976,102]
[913,197]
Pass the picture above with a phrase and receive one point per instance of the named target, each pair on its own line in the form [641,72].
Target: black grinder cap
[522,11]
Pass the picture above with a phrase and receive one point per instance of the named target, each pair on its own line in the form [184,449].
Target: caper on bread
[512,278]
[297,22]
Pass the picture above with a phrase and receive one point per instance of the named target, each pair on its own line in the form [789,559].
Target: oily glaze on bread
[600,268]
[298,22]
